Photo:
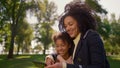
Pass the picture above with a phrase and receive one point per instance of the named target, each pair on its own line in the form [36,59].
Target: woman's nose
[67,28]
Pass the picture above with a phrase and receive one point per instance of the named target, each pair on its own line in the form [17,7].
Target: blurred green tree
[24,36]
[12,11]
[46,16]
[115,34]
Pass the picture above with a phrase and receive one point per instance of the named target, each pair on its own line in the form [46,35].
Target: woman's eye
[65,26]
[70,24]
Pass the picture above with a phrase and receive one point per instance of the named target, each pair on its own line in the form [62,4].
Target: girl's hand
[49,61]
[60,58]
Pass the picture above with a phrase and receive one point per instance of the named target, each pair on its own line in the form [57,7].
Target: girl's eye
[57,46]
[62,45]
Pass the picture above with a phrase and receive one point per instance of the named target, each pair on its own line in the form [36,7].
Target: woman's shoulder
[90,33]
[93,37]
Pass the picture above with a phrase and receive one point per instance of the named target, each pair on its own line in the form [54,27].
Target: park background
[26,27]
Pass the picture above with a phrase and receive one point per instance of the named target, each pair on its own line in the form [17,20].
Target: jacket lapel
[78,47]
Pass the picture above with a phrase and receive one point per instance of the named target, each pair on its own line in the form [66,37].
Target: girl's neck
[66,56]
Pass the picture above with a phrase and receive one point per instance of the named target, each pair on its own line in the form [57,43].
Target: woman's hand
[56,65]
[69,60]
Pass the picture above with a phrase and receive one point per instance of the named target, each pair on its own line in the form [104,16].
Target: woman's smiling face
[71,26]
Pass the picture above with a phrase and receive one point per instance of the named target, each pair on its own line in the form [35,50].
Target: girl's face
[71,26]
[62,47]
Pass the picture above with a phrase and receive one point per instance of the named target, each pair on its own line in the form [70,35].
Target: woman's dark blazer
[90,52]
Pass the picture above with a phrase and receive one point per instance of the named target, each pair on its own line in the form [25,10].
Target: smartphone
[39,64]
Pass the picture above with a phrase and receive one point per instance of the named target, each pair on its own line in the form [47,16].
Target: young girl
[64,48]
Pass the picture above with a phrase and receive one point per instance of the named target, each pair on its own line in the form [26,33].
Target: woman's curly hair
[82,14]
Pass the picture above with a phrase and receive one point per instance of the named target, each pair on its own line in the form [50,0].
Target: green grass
[114,61]
[25,61]
[22,61]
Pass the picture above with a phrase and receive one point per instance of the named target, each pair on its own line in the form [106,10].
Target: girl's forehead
[61,40]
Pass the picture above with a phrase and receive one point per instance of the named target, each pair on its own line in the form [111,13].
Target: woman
[79,23]
[64,47]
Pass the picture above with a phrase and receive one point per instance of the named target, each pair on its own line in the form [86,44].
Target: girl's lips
[61,52]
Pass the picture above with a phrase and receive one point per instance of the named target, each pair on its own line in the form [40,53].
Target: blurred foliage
[112,35]
[12,12]
[46,15]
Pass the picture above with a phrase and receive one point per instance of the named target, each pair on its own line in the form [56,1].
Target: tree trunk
[13,25]
[18,49]
[44,51]
[47,40]
[10,54]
